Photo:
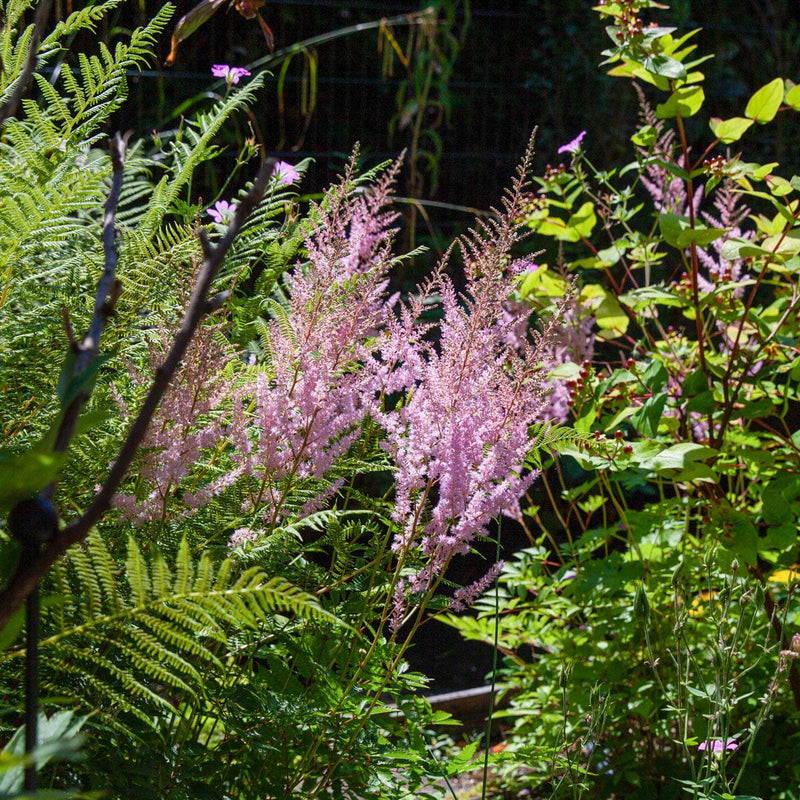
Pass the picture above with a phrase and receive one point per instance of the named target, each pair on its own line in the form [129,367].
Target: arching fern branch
[138,639]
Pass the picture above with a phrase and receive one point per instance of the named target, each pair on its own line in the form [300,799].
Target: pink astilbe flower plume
[183,427]
[311,398]
[460,441]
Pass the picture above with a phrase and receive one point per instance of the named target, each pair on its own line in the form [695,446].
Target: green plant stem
[494,665]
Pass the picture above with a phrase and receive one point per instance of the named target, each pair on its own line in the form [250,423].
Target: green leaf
[641,298]
[59,738]
[648,417]
[678,231]
[764,104]
[780,537]
[729,130]
[25,475]
[777,498]
[12,629]
[783,244]
[685,101]
[778,186]
[702,403]
[71,385]
[581,224]
[741,248]
[695,383]
[676,457]
[738,533]
[793,98]
[645,137]
[757,408]
[664,66]
[655,376]
[610,317]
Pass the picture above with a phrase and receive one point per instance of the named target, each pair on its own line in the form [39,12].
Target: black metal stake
[31,684]
[33,522]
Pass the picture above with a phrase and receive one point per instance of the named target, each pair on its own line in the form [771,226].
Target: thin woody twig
[27,575]
[39,21]
[89,346]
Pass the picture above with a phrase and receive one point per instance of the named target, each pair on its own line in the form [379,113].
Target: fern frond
[133,639]
[548,437]
[192,149]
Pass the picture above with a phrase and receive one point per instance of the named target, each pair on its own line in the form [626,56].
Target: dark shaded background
[522,64]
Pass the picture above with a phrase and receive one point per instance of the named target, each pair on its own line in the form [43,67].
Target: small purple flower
[231,75]
[285,173]
[523,266]
[574,145]
[718,745]
[222,212]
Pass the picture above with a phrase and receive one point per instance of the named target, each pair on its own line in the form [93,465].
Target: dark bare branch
[89,346]
[39,22]
[29,574]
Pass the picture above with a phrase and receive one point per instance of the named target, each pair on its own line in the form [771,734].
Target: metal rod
[31,684]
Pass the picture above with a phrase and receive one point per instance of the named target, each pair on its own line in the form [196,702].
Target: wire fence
[522,64]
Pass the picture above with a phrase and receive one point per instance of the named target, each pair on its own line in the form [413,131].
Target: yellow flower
[785,576]
[698,603]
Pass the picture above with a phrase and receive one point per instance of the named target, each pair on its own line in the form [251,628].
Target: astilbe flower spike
[460,441]
[183,427]
[311,398]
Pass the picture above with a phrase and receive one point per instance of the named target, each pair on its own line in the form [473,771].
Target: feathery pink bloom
[466,596]
[183,427]
[310,400]
[459,442]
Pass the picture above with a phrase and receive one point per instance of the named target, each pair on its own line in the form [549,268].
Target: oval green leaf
[686,101]
[764,104]
[729,130]
[793,98]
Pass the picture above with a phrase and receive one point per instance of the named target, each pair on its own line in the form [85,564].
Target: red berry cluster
[577,387]
[715,166]
[629,23]
[552,174]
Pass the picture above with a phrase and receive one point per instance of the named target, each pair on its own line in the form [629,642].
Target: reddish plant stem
[693,261]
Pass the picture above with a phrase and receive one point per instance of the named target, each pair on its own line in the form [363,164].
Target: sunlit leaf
[764,104]
[189,23]
[686,102]
[729,130]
